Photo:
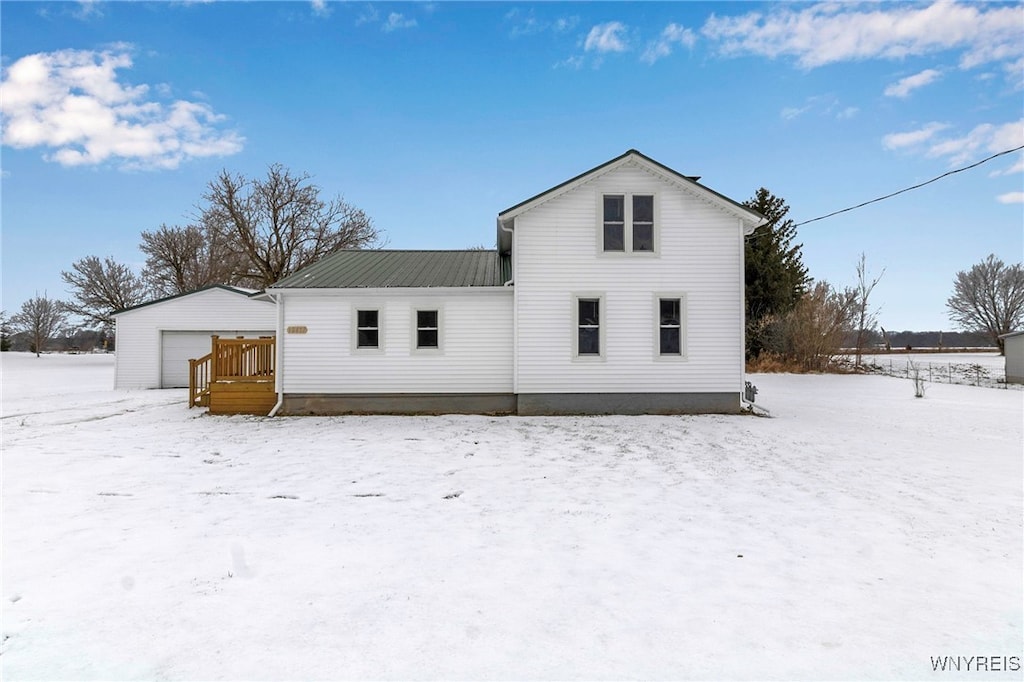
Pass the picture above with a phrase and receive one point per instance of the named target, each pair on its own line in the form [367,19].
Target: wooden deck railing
[237,360]
[243,359]
[199,381]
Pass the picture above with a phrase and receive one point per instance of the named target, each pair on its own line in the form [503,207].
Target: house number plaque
[298,329]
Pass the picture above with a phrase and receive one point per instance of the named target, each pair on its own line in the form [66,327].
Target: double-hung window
[588,327]
[367,329]
[628,224]
[614,222]
[670,325]
[427,329]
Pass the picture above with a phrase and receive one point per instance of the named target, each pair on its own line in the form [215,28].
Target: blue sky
[435,117]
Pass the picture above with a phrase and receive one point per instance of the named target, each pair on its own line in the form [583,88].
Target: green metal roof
[358,269]
[248,293]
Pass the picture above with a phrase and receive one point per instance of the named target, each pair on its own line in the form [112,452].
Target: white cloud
[1011,198]
[672,35]
[527,23]
[396,21]
[606,38]
[368,15]
[789,113]
[574,62]
[71,103]
[913,137]
[986,137]
[904,86]
[1015,74]
[830,32]
[823,105]
[1017,167]
[320,8]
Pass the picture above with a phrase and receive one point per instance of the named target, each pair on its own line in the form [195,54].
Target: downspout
[744,403]
[515,311]
[511,255]
[279,356]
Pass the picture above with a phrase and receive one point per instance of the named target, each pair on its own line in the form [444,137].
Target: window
[643,223]
[670,326]
[588,326]
[367,329]
[427,329]
[628,224]
[614,223]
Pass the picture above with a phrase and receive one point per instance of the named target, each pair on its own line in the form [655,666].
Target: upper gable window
[643,222]
[628,224]
[614,222]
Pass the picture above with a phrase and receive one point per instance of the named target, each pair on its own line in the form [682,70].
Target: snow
[993,362]
[856,534]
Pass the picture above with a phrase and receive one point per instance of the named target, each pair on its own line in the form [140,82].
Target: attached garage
[156,340]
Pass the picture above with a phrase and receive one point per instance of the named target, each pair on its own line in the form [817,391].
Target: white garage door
[177,348]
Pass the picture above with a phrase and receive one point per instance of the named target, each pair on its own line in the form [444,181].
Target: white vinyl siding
[475,335]
[698,252]
[140,332]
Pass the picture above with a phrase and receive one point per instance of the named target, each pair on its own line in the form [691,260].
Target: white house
[155,340]
[618,291]
[1013,349]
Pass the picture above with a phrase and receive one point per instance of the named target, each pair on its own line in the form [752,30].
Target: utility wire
[907,189]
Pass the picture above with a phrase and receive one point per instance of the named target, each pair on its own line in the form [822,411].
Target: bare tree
[41,318]
[5,332]
[183,259]
[280,223]
[100,288]
[810,335]
[867,319]
[989,298]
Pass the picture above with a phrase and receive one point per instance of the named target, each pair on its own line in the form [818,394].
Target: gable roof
[372,269]
[248,293]
[753,218]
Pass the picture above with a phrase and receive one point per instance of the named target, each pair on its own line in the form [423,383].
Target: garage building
[155,340]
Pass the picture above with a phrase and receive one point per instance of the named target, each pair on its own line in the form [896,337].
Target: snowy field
[991,361]
[858,534]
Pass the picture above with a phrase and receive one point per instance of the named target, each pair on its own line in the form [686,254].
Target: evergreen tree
[776,278]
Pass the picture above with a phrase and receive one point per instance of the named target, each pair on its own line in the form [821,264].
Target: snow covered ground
[856,535]
[991,361]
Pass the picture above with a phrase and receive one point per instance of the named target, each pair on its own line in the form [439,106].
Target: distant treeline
[905,339]
[84,340]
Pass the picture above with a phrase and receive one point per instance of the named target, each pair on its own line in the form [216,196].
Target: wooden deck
[235,377]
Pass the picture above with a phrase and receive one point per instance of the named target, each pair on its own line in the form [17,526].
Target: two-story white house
[619,291]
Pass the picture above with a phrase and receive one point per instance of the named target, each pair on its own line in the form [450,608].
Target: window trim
[367,350]
[414,339]
[602,325]
[683,353]
[627,226]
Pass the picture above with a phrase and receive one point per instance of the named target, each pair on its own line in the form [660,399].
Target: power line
[907,189]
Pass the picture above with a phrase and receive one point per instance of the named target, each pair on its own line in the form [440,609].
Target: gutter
[279,355]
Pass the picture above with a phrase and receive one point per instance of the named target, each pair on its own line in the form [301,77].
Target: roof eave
[750,218]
